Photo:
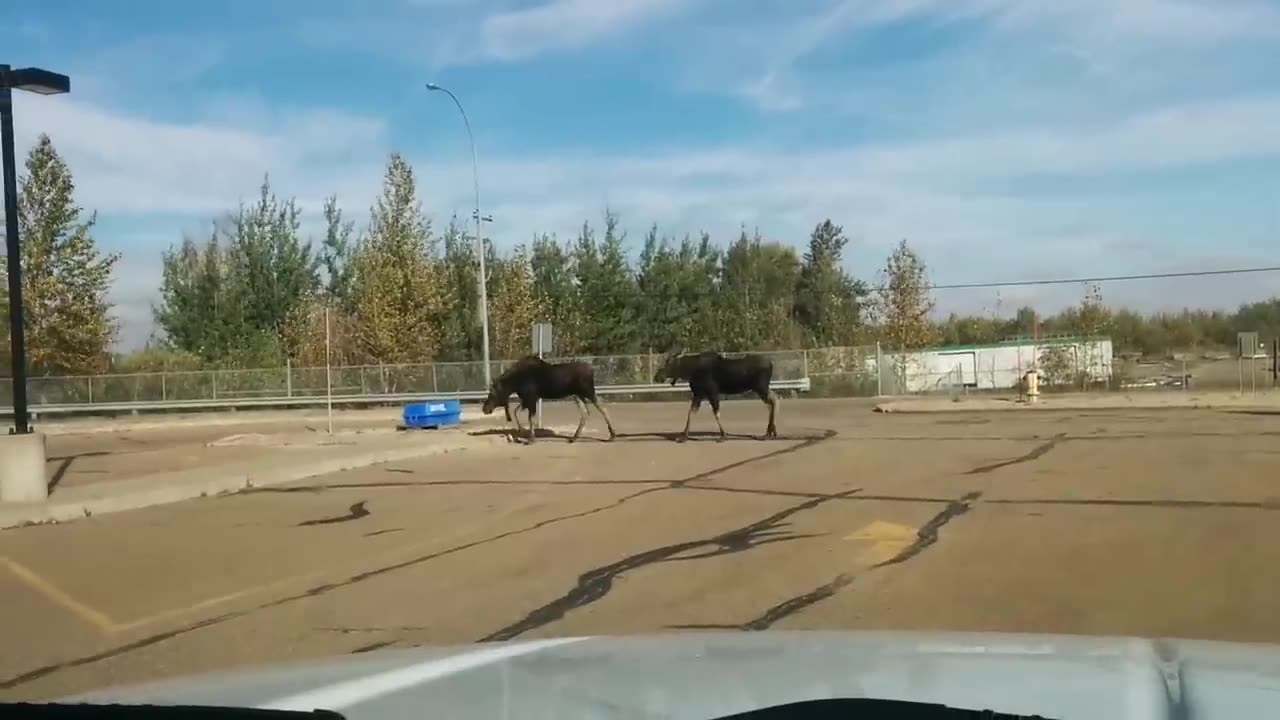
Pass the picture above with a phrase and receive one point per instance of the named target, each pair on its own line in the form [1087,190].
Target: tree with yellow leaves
[398,295]
[65,278]
[514,307]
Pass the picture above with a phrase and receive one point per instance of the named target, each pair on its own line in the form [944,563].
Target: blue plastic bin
[433,414]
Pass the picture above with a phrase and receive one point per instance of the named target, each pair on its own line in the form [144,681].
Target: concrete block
[22,468]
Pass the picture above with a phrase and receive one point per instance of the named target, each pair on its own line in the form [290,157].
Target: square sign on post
[1247,344]
[541,339]
[541,347]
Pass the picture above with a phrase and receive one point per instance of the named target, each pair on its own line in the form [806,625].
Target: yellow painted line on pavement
[175,612]
[58,596]
[884,540]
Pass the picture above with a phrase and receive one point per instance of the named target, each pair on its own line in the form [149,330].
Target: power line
[1103,278]
[692,293]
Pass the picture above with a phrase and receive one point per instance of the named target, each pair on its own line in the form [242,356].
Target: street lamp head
[36,80]
[433,86]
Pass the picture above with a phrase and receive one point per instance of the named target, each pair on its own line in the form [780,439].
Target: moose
[531,378]
[712,375]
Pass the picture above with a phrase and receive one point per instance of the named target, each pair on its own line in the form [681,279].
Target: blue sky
[1003,138]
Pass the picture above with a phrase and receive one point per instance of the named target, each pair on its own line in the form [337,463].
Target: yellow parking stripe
[59,596]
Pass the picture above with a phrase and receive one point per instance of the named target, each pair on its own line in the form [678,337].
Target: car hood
[706,675]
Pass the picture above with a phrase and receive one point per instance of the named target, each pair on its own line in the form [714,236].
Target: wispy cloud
[1100,35]
[444,33]
[1058,137]
[567,24]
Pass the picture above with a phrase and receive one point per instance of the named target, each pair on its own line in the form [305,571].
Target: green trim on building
[1059,340]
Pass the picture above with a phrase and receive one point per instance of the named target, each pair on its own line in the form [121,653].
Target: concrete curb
[1070,405]
[164,488]
[224,419]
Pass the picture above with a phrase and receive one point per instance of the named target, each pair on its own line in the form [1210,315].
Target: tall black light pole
[41,82]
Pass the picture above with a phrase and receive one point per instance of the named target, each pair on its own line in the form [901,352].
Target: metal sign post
[1246,349]
[541,347]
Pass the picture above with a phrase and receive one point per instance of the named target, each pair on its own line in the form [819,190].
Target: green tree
[755,295]
[460,330]
[336,253]
[607,287]
[828,302]
[66,279]
[272,270]
[556,287]
[398,296]
[191,314]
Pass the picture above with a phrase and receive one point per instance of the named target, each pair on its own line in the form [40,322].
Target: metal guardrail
[798,385]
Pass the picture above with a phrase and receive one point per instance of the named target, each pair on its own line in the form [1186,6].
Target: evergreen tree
[555,285]
[336,254]
[828,301]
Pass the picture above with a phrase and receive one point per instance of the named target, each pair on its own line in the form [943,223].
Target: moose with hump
[711,375]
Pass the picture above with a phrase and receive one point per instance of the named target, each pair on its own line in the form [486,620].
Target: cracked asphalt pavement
[1156,523]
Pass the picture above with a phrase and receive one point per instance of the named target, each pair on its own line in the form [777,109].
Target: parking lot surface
[1155,523]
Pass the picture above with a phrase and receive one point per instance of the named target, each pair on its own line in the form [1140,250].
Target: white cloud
[566,24]
[931,192]
[1102,36]
[443,33]
[129,164]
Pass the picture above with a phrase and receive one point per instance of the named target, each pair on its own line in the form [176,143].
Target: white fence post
[879,371]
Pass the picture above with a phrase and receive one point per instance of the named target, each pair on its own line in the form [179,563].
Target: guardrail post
[804,354]
[435,383]
[214,381]
[879,371]
[90,381]
[288,377]
[164,390]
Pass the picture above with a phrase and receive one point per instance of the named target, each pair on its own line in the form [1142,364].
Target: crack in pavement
[596,583]
[352,630]
[372,646]
[926,536]
[1157,503]
[1035,454]
[148,641]
[928,533]
[355,512]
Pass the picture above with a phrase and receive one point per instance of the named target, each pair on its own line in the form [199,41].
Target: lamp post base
[22,468]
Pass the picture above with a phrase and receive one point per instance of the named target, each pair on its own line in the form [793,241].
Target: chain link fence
[856,371]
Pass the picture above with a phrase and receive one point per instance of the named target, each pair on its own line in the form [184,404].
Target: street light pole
[45,83]
[475,177]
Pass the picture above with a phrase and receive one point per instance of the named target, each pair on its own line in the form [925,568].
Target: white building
[998,365]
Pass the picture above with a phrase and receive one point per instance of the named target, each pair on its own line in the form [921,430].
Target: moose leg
[532,433]
[516,417]
[694,404]
[582,417]
[772,401]
[607,420]
[715,410]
